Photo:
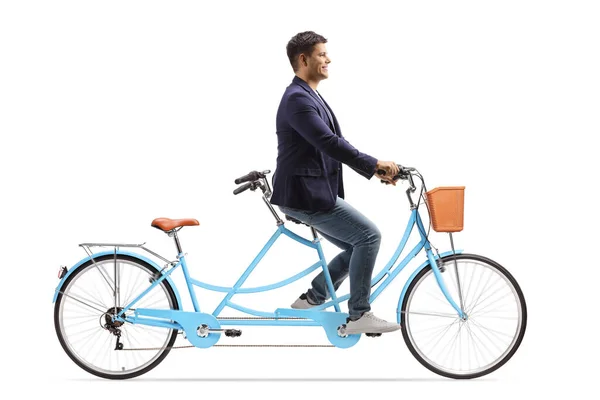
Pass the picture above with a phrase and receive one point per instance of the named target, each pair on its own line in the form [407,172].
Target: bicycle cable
[422,196]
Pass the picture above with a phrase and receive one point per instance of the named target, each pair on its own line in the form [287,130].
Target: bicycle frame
[95,318]
[383,278]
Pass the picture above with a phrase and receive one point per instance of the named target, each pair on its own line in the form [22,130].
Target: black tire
[64,341]
[520,308]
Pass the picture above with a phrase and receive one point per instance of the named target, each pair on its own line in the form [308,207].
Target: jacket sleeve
[304,119]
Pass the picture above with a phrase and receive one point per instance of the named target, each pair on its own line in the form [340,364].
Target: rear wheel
[83,317]
[482,342]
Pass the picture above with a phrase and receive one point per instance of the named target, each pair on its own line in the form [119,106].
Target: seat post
[314,232]
[174,234]
[268,203]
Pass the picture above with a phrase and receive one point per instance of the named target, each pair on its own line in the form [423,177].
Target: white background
[115,113]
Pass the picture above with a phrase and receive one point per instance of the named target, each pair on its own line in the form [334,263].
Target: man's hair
[303,42]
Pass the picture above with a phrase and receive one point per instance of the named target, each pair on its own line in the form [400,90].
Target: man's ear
[303,60]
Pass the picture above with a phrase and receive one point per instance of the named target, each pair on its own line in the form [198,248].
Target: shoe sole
[381,330]
[295,307]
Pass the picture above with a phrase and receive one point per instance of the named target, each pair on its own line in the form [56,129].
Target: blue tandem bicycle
[118,313]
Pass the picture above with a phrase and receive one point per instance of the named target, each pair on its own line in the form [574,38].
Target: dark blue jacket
[311,151]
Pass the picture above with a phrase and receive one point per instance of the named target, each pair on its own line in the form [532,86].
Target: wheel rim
[85,308]
[471,347]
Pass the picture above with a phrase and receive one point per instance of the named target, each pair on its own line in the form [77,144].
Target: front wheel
[480,343]
[84,310]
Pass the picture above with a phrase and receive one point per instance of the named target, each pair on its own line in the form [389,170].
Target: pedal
[233,332]
[373,334]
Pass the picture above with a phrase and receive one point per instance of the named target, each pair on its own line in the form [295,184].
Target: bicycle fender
[412,277]
[126,253]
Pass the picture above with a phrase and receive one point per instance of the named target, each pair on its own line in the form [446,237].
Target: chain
[274,345]
[232,345]
[241,345]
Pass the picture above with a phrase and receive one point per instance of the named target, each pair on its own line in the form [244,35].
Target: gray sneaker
[369,323]
[302,303]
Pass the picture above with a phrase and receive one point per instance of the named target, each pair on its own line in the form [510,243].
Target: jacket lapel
[334,123]
[312,93]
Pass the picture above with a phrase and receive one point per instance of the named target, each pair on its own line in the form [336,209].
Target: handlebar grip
[242,188]
[252,176]
[402,174]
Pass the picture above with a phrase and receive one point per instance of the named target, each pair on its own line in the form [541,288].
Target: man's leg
[345,224]
[338,269]
[348,225]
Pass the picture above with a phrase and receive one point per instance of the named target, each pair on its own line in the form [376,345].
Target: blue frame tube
[399,249]
[189,283]
[156,282]
[296,237]
[246,273]
[159,323]
[336,303]
[259,288]
[396,271]
[381,280]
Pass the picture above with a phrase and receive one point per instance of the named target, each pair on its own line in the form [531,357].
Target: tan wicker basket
[446,208]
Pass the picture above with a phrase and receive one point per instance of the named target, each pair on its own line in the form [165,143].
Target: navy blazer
[311,151]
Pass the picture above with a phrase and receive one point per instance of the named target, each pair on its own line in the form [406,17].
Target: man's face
[318,62]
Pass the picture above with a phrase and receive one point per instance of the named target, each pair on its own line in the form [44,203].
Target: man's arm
[304,118]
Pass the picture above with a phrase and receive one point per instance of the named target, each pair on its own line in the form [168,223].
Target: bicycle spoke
[137,356]
[441,335]
[481,342]
[77,322]
[93,345]
[470,284]
[492,291]
[153,299]
[506,296]
[86,309]
[82,317]
[481,292]
[83,302]
[475,346]
[439,298]
[102,271]
[450,346]
[487,336]
[498,334]
[468,347]
[515,318]
[137,290]
[434,330]
[136,287]
[433,314]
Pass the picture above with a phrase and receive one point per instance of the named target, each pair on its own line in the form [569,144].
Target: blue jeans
[359,239]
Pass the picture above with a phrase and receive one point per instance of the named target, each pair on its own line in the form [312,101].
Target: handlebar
[254,180]
[404,174]
[242,188]
[251,176]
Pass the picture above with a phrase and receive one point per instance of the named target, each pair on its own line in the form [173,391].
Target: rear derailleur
[113,326]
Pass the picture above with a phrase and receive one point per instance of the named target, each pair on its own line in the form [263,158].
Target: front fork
[435,267]
[440,280]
